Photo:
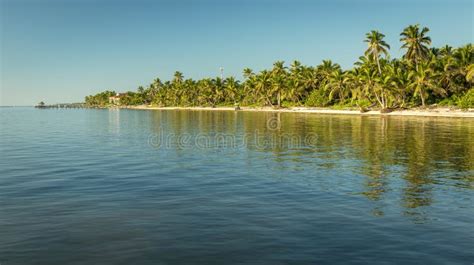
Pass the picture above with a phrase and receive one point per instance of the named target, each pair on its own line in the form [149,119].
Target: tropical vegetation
[424,76]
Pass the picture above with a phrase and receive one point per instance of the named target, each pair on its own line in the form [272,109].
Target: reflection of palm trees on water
[399,157]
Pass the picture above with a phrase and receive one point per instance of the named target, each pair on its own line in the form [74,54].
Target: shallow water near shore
[99,186]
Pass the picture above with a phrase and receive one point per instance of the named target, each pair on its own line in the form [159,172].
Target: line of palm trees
[422,76]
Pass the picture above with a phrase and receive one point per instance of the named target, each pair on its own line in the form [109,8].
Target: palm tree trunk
[378,66]
[279,98]
[383,103]
[378,99]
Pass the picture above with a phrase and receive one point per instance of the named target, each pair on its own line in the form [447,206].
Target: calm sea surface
[208,187]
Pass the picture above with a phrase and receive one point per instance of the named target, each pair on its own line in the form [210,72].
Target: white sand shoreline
[434,112]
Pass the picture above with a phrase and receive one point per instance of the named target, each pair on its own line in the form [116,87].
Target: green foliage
[317,98]
[467,101]
[424,75]
[131,99]
[100,99]
[343,106]
[449,102]
[363,103]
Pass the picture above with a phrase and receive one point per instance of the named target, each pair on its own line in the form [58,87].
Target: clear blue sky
[61,51]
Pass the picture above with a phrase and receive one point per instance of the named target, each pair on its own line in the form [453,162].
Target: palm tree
[178,77]
[153,90]
[375,83]
[337,85]
[248,73]
[400,81]
[465,59]
[301,80]
[262,87]
[425,72]
[207,92]
[232,90]
[177,87]
[354,84]
[308,79]
[368,78]
[295,81]
[416,43]
[376,46]
[278,78]
[327,67]
[324,70]
[470,73]
[453,68]
[423,82]
[219,92]
[446,50]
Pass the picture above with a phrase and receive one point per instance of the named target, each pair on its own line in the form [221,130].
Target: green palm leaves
[422,76]
[376,47]
[416,43]
[470,73]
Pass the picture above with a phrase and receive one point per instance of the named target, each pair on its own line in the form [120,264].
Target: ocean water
[87,186]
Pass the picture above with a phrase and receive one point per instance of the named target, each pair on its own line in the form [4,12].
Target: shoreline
[435,112]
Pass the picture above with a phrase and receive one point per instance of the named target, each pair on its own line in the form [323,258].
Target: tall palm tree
[278,79]
[426,73]
[416,43]
[376,47]
[375,83]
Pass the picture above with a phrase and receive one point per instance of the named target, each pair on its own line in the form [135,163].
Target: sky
[62,50]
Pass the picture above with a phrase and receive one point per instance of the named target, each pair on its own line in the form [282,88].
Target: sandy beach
[429,112]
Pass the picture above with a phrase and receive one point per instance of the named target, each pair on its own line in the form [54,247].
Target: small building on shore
[116,99]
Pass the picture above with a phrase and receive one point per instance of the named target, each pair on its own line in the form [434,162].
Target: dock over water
[61,106]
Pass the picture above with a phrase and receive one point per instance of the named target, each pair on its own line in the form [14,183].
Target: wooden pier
[61,106]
